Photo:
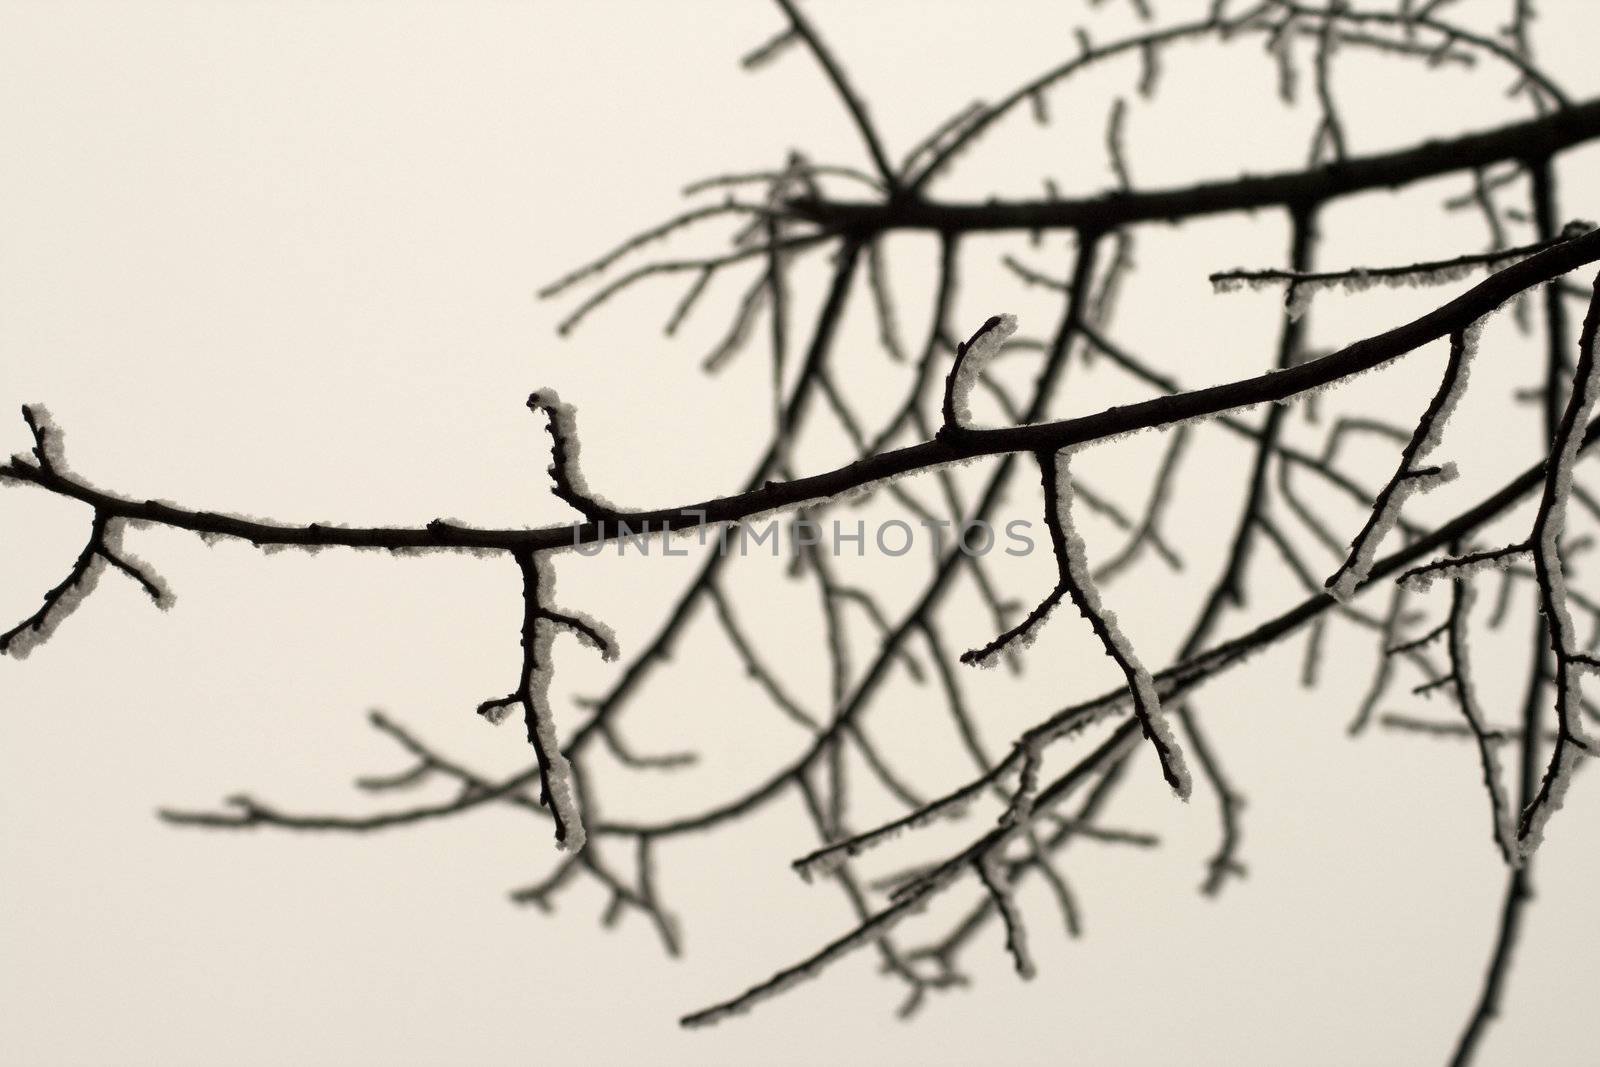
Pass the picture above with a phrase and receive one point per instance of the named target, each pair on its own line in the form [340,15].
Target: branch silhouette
[1046,787]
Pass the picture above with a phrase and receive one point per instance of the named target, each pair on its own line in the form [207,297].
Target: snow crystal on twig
[60,602]
[1418,579]
[539,664]
[47,437]
[1077,576]
[972,356]
[565,447]
[1408,477]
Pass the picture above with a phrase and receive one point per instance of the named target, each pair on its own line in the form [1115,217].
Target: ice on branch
[1457,568]
[1409,478]
[1551,522]
[1302,285]
[1079,581]
[589,631]
[103,549]
[557,790]
[556,785]
[1076,582]
[150,582]
[496,712]
[1017,639]
[1550,570]
[46,437]
[1551,798]
[59,602]
[972,356]
[565,472]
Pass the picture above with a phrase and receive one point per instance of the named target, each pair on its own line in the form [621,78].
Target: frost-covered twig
[565,472]
[102,548]
[557,791]
[1358,279]
[1075,582]
[972,356]
[1545,545]
[968,443]
[1409,477]
[1457,567]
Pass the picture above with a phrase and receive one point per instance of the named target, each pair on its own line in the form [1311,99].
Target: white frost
[112,540]
[24,641]
[1407,481]
[564,427]
[974,359]
[1146,700]
[1456,570]
[48,438]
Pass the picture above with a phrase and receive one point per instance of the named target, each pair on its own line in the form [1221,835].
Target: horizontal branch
[1534,139]
[967,444]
